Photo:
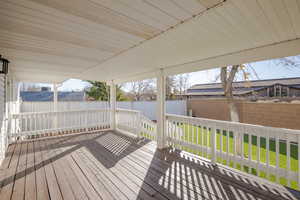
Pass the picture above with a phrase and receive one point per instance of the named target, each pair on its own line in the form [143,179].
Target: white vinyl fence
[147,108]
[62,106]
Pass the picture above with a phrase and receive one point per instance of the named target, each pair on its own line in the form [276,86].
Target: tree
[182,83]
[176,84]
[228,75]
[140,89]
[100,91]
[145,89]
[170,87]
[289,62]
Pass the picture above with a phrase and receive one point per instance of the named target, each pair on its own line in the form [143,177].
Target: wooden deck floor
[108,165]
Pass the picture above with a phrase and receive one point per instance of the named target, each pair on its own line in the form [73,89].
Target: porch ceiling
[53,40]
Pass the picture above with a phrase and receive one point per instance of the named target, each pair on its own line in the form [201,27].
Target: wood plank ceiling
[53,40]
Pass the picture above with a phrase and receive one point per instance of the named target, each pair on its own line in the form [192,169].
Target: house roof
[48,96]
[217,93]
[255,83]
[51,41]
[241,87]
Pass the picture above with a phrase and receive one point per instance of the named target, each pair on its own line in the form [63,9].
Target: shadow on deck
[109,165]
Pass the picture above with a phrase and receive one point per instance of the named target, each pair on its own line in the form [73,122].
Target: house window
[271,92]
[284,92]
[277,91]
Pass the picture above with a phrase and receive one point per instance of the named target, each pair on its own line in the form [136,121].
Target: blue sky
[265,70]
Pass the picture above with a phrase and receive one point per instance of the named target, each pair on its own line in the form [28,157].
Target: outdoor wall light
[3,65]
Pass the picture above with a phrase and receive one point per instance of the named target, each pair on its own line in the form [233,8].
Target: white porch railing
[10,107]
[271,153]
[134,122]
[31,124]
[148,128]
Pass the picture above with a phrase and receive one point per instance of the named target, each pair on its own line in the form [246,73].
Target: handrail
[53,112]
[230,123]
[127,110]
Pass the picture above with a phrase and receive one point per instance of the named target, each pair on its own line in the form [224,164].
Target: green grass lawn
[190,136]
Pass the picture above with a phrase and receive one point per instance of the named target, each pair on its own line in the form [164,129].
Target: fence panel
[147,108]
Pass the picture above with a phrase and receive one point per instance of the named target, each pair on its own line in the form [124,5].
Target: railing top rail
[53,112]
[237,125]
[127,110]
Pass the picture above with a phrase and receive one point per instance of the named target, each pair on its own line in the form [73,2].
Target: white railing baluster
[190,129]
[207,141]
[298,143]
[197,134]
[227,146]
[249,151]
[268,153]
[35,122]
[221,145]
[86,120]
[288,155]
[202,140]
[242,134]
[173,133]
[235,143]
[258,154]
[25,122]
[277,157]
[213,145]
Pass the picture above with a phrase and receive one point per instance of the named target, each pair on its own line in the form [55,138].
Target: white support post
[112,105]
[55,106]
[161,109]
[214,144]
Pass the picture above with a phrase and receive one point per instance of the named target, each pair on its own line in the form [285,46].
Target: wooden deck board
[52,184]
[20,177]
[41,182]
[30,184]
[8,179]
[108,165]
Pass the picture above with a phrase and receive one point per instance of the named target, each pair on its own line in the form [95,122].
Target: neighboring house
[48,96]
[286,87]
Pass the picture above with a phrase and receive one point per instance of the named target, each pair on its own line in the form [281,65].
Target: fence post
[213,144]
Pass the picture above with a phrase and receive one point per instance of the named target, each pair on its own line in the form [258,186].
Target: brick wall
[285,115]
